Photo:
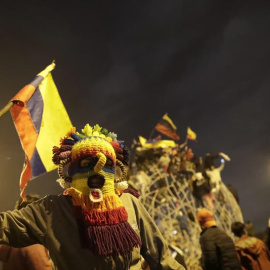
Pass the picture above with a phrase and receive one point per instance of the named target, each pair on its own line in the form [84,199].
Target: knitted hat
[96,142]
[205,218]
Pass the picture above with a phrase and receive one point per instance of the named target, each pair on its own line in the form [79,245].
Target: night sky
[123,64]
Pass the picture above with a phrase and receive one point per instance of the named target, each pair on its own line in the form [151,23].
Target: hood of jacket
[251,244]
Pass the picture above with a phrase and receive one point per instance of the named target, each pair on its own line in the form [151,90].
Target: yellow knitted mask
[92,168]
[92,162]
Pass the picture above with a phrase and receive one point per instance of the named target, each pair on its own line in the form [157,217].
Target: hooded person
[217,247]
[95,223]
[252,252]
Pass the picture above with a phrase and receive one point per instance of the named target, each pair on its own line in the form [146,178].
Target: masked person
[94,224]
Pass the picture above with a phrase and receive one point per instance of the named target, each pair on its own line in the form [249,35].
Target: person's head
[238,229]
[205,218]
[20,203]
[92,157]
[165,152]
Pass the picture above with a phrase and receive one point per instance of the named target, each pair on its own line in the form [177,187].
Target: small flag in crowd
[167,127]
[191,135]
[41,120]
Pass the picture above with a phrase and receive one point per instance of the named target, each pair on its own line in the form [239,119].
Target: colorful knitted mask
[92,158]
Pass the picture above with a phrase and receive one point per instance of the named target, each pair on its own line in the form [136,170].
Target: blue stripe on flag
[36,165]
[35,106]
[36,82]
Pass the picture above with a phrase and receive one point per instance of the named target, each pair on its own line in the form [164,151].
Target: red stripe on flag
[23,121]
[166,131]
[24,95]
[191,137]
[26,130]
[25,176]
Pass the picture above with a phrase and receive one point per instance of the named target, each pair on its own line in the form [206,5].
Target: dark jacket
[218,251]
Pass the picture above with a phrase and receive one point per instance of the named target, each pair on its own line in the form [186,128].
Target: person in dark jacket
[218,252]
[252,252]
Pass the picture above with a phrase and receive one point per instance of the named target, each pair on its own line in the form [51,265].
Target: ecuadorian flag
[41,120]
[167,127]
[191,135]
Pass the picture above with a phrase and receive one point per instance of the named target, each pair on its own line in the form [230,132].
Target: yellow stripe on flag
[168,119]
[55,122]
[41,121]
[191,135]
[157,144]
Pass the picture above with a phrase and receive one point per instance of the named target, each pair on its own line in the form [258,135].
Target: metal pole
[6,108]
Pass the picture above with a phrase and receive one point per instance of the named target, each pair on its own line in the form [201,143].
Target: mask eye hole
[109,163]
[86,162]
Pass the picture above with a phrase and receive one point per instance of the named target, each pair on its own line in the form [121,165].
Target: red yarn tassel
[112,239]
[133,192]
[114,216]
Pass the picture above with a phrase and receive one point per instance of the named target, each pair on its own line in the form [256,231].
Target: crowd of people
[202,173]
[220,252]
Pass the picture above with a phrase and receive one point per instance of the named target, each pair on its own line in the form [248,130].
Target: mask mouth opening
[96,181]
[95,195]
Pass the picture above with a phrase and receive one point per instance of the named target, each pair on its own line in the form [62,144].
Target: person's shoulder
[221,232]
[131,203]
[205,232]
[248,241]
[214,231]
[128,197]
[50,201]
[223,237]
[52,198]
[259,241]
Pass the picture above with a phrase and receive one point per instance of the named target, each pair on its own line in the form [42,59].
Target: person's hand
[226,157]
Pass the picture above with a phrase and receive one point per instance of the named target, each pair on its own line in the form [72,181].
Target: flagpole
[11,103]
[6,108]
[151,134]
[185,142]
